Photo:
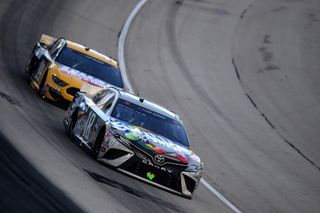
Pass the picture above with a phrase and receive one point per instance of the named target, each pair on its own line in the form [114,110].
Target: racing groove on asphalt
[187,48]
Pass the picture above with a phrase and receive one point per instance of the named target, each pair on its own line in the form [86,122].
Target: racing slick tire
[28,69]
[97,145]
[72,124]
[43,81]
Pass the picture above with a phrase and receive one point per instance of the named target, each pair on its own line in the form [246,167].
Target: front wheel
[29,68]
[97,145]
[27,71]
[30,65]
[71,125]
[43,81]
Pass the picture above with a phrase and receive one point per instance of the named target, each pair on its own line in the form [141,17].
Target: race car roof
[48,40]
[93,53]
[148,105]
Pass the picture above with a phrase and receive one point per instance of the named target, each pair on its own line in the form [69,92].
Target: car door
[43,59]
[96,115]
[37,55]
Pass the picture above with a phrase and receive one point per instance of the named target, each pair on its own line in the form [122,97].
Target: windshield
[90,66]
[150,120]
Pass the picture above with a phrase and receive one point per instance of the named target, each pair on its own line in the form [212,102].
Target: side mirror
[38,51]
[43,45]
[83,107]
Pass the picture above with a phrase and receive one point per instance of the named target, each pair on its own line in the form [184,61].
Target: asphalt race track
[243,74]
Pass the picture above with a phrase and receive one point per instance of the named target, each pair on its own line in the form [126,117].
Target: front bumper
[133,162]
[55,92]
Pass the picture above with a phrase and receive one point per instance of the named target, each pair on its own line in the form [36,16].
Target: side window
[53,47]
[56,47]
[106,102]
[106,107]
[99,96]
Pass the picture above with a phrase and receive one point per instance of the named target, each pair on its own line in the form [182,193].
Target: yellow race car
[58,68]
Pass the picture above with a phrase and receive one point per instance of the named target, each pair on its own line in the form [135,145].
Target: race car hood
[78,78]
[154,144]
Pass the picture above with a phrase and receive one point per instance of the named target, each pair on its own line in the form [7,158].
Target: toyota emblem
[159,159]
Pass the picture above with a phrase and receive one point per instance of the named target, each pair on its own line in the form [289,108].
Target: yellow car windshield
[91,66]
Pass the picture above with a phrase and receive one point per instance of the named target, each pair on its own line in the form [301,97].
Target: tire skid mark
[267,55]
[252,101]
[236,69]
[204,6]
[10,99]
[303,155]
[245,11]
[267,120]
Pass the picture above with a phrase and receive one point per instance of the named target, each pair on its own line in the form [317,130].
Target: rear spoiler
[90,90]
[47,40]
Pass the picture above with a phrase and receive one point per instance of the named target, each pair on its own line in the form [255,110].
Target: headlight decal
[58,81]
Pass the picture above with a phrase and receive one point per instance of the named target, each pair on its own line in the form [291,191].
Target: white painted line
[123,68]
[121,44]
[220,196]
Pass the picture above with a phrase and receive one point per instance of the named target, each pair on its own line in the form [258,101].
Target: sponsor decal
[148,162]
[159,159]
[124,141]
[152,141]
[83,76]
[158,150]
[149,146]
[105,144]
[150,175]
[108,134]
[132,136]
[182,158]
